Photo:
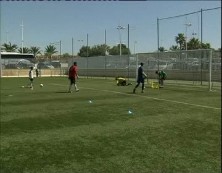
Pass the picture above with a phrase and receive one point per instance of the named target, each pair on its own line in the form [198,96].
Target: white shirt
[31,74]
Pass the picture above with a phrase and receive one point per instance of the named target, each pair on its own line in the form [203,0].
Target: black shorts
[163,78]
[140,80]
[72,80]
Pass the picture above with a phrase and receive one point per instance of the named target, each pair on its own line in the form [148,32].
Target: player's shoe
[77,90]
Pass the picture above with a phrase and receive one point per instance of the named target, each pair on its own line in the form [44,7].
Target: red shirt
[73,71]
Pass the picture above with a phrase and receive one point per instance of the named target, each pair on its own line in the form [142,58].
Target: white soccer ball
[41,85]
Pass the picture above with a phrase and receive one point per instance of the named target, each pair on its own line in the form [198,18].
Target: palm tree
[194,43]
[50,50]
[9,47]
[180,39]
[35,51]
[25,50]
[205,46]
[174,47]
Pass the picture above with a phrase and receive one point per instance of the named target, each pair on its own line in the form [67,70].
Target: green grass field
[47,130]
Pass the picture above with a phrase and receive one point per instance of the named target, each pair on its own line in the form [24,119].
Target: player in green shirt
[162,76]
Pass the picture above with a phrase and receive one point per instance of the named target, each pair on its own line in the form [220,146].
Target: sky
[46,22]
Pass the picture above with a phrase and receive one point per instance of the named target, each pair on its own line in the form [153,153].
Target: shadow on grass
[131,92]
[62,92]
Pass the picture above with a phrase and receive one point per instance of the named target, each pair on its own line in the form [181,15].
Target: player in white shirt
[31,77]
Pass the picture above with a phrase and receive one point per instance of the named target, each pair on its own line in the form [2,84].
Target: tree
[193,43]
[50,50]
[35,51]
[174,47]
[124,50]
[162,49]
[115,50]
[99,50]
[180,39]
[66,55]
[25,50]
[205,46]
[9,47]
[83,51]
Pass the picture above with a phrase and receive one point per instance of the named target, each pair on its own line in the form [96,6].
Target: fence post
[210,71]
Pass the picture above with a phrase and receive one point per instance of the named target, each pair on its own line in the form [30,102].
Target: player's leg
[70,85]
[142,86]
[161,82]
[31,83]
[76,88]
[138,83]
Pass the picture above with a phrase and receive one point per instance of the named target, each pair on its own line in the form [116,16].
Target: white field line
[188,88]
[154,98]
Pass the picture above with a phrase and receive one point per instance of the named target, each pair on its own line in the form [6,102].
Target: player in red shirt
[73,75]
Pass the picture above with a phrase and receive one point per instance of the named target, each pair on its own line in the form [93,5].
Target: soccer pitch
[105,128]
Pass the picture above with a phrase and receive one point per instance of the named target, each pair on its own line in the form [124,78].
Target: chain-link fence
[194,67]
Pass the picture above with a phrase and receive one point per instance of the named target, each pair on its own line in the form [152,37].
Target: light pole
[72,50]
[80,43]
[187,25]
[135,55]
[135,42]
[7,37]
[193,34]
[120,28]
[22,35]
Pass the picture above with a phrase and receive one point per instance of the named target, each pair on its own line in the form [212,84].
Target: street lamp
[193,34]
[80,43]
[72,49]
[7,37]
[22,35]
[120,28]
[187,25]
[135,42]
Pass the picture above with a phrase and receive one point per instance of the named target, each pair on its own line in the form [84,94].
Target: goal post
[191,67]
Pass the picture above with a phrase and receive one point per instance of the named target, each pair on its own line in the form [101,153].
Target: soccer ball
[41,85]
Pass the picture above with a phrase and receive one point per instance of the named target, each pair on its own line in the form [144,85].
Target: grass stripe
[154,98]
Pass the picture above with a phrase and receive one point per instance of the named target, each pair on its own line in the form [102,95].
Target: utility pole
[22,35]
[72,50]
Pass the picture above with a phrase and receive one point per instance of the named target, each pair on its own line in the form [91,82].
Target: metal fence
[193,67]
[196,67]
